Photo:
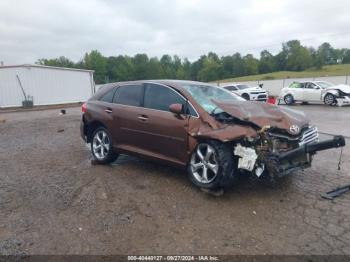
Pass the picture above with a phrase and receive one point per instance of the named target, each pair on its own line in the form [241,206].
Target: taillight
[83,108]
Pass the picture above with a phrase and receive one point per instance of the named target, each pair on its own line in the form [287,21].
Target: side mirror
[176,108]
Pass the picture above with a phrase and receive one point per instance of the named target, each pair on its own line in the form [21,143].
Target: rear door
[126,109]
[297,90]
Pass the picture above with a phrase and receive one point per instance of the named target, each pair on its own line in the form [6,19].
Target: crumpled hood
[344,88]
[263,114]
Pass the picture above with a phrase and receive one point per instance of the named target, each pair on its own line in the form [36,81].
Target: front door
[165,133]
[312,92]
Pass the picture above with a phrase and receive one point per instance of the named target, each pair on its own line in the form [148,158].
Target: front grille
[262,96]
[256,93]
[309,135]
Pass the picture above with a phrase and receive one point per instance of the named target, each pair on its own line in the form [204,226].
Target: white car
[248,92]
[316,91]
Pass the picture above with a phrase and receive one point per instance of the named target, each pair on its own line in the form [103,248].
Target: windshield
[204,94]
[242,86]
[324,84]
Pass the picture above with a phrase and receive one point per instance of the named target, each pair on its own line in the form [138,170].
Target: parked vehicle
[316,91]
[248,92]
[212,132]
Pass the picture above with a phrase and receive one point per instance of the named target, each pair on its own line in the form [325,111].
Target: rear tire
[102,146]
[288,100]
[212,166]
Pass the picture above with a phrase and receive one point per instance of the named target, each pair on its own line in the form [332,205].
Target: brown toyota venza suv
[213,133]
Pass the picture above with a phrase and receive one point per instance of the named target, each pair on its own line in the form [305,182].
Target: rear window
[128,95]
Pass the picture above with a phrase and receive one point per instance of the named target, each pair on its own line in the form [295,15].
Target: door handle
[143,118]
[108,110]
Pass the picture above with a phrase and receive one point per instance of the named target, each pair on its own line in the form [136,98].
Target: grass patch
[331,70]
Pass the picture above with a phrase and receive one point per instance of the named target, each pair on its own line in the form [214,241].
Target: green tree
[228,66]
[210,71]
[266,63]
[96,61]
[238,65]
[140,63]
[62,61]
[298,57]
[251,65]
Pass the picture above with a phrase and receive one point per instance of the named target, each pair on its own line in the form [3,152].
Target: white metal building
[45,84]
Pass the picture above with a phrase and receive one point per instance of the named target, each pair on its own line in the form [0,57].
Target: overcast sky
[33,29]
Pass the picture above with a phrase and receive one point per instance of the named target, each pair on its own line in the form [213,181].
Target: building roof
[47,67]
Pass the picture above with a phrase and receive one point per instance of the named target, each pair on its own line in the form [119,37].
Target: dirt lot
[53,201]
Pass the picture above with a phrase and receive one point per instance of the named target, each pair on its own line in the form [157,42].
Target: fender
[334,92]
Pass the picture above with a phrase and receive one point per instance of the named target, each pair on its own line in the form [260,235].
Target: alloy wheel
[288,99]
[329,99]
[101,145]
[203,164]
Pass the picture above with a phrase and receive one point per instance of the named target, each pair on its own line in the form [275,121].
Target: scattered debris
[60,130]
[336,192]
[2,120]
[254,212]
[63,112]
[80,229]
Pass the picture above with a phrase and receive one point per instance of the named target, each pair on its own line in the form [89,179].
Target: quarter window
[108,97]
[128,95]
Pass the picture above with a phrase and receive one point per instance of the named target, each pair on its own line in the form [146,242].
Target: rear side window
[296,85]
[108,97]
[128,95]
[161,97]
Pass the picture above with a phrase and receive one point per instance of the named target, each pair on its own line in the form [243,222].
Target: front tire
[101,146]
[211,166]
[329,99]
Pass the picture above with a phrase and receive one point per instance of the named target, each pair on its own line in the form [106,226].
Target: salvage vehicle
[316,91]
[213,133]
[248,92]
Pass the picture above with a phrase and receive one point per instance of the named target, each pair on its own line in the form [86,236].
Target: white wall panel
[47,85]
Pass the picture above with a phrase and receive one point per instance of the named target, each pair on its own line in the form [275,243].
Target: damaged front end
[280,153]
[285,143]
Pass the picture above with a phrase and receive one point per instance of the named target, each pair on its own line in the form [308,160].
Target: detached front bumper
[343,101]
[299,158]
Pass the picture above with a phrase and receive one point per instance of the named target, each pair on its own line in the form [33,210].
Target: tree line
[210,67]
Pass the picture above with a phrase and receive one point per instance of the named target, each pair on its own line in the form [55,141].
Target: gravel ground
[53,201]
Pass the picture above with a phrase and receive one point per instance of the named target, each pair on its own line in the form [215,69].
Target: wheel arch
[91,127]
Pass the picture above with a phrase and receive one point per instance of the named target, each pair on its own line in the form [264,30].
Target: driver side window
[311,86]
[160,98]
